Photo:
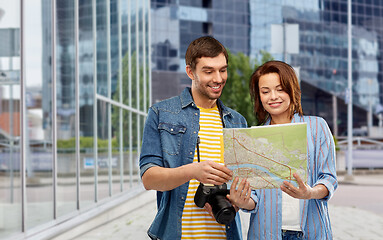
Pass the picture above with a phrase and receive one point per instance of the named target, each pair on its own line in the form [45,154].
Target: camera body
[215,195]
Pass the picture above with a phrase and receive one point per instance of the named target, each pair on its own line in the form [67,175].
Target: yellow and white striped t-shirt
[197,223]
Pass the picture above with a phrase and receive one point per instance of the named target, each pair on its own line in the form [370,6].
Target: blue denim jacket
[169,140]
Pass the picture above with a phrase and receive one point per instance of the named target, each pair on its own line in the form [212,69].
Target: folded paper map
[267,155]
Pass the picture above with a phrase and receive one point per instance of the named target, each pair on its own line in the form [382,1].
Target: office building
[316,45]
[74,93]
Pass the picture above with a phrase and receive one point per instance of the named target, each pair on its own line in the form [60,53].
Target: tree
[236,93]
[133,102]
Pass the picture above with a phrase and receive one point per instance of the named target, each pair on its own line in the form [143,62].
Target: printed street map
[267,155]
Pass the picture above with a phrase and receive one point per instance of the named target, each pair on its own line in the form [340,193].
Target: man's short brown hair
[204,47]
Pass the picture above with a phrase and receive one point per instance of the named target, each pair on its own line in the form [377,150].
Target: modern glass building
[176,23]
[249,26]
[75,87]
[323,49]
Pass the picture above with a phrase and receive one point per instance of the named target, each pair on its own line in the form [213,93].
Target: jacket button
[191,153]
[196,114]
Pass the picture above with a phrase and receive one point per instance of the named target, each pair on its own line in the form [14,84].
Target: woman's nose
[274,95]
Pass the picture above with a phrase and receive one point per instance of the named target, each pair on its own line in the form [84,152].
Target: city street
[356,212]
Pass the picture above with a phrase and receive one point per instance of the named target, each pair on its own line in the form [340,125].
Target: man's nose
[218,78]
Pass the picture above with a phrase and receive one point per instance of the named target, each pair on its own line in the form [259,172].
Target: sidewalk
[356,212]
[356,209]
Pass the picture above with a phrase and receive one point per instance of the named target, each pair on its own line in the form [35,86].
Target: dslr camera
[215,195]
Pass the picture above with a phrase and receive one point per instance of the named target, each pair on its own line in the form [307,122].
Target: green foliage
[66,144]
[85,142]
[337,148]
[236,93]
[130,100]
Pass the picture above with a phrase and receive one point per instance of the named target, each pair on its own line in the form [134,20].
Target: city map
[267,155]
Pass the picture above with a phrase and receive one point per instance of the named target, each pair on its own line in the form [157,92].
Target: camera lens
[222,209]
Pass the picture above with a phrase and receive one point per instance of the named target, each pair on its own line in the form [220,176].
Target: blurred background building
[74,93]
[78,76]
[309,35]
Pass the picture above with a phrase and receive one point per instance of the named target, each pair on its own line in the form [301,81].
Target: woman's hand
[240,197]
[304,191]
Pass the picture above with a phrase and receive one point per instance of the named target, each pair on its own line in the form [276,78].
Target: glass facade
[176,23]
[75,88]
[323,49]
[247,26]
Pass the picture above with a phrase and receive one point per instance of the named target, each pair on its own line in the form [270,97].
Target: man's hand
[304,191]
[210,172]
[240,197]
[209,209]
[166,179]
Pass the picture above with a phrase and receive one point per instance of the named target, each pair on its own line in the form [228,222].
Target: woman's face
[274,99]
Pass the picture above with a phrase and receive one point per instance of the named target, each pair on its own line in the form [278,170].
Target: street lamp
[349,93]
[369,115]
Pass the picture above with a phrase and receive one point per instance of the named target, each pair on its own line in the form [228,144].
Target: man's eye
[223,70]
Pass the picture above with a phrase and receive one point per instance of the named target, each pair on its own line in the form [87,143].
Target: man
[169,160]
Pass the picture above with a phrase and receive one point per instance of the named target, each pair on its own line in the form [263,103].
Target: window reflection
[10,178]
[114,49]
[38,79]
[66,108]
[103,151]
[127,149]
[102,60]
[10,191]
[133,53]
[86,75]
[136,144]
[112,128]
[116,157]
[125,52]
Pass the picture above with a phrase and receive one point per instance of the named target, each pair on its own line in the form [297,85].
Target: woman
[292,212]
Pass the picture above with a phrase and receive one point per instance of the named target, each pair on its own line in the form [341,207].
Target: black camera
[215,195]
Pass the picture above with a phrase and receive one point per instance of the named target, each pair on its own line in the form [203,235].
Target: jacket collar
[186,97]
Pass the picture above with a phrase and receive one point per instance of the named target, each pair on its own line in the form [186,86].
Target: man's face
[208,80]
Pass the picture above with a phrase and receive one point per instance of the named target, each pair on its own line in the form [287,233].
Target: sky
[32,35]
[10,18]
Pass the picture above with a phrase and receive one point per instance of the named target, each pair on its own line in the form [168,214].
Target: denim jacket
[169,140]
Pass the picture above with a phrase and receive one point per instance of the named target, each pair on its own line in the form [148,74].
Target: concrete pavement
[356,209]
[356,212]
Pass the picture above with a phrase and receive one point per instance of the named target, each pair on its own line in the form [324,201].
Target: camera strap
[198,140]
[199,127]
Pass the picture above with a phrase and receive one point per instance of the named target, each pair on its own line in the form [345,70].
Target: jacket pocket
[171,137]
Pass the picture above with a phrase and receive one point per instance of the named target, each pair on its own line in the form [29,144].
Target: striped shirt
[197,223]
[266,219]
